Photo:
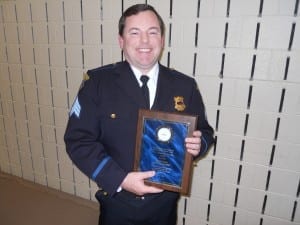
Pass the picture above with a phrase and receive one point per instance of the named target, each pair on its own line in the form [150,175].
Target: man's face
[142,41]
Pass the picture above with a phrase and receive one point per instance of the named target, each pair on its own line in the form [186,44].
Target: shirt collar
[152,74]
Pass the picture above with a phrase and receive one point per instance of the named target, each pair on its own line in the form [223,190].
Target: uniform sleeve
[82,139]
[207,139]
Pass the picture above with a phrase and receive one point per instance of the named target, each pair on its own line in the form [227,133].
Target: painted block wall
[245,57]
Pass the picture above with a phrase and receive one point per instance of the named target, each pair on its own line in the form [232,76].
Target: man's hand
[134,182]
[193,144]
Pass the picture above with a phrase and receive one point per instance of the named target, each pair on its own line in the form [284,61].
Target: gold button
[113,116]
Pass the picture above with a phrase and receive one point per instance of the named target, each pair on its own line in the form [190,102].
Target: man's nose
[145,37]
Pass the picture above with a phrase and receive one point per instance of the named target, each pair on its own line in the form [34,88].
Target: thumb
[147,174]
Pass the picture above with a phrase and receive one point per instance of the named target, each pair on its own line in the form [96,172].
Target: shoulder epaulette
[108,66]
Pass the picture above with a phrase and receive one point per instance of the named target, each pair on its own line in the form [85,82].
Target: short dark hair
[134,10]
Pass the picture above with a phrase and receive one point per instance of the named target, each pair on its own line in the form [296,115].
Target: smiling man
[142,40]
[101,133]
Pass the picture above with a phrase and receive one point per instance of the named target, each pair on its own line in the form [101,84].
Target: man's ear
[121,41]
[163,41]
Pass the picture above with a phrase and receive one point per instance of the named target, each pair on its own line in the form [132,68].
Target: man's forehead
[141,24]
[142,17]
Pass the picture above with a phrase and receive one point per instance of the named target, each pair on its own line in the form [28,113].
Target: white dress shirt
[152,82]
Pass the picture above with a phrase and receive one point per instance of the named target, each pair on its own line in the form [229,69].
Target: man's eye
[134,33]
[154,32]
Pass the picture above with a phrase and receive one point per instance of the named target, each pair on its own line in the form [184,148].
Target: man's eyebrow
[138,29]
[154,28]
[133,28]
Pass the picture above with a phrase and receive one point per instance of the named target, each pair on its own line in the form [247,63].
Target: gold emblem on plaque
[179,103]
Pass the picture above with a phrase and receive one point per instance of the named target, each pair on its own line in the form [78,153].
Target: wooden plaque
[160,146]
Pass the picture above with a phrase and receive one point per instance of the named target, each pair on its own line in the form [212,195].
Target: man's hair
[134,10]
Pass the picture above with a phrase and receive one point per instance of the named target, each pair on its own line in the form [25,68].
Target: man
[101,132]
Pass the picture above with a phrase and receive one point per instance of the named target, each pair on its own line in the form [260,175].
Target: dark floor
[26,203]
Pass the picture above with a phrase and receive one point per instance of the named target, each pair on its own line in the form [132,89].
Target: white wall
[245,55]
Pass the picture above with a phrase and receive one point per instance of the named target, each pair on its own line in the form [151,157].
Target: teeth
[144,50]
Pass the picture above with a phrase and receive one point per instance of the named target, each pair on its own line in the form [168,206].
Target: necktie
[145,89]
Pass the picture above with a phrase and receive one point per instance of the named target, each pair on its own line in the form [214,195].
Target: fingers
[193,152]
[152,189]
[147,188]
[193,144]
[197,133]
[134,182]
[146,175]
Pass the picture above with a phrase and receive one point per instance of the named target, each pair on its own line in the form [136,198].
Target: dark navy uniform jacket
[101,132]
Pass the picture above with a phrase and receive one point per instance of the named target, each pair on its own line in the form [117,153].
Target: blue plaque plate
[160,147]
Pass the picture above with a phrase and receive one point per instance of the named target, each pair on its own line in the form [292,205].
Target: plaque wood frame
[190,121]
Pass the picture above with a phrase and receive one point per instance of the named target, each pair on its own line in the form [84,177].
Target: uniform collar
[152,74]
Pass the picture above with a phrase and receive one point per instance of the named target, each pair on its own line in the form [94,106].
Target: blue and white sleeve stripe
[205,143]
[100,167]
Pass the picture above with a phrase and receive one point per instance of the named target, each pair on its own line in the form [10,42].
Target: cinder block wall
[245,56]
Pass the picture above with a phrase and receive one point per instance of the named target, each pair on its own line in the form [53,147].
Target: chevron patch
[76,108]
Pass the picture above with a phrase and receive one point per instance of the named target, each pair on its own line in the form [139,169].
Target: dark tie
[145,90]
